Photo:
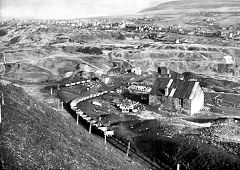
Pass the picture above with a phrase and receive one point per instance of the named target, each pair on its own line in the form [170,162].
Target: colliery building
[177,95]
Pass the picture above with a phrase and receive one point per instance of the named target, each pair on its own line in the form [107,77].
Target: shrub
[3,32]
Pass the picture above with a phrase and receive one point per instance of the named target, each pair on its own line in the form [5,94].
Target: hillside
[34,136]
[192,5]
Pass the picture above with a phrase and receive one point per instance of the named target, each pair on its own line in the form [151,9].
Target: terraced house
[177,95]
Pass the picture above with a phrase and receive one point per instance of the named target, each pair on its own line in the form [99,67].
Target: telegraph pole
[51,91]
[2,99]
[2,103]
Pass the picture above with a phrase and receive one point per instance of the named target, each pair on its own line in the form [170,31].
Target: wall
[154,100]
[168,105]
[173,104]
[176,104]
[197,101]
[187,104]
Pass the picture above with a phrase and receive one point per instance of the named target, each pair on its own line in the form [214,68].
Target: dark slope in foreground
[34,136]
[194,4]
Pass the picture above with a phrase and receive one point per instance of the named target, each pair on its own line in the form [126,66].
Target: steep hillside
[35,136]
[188,5]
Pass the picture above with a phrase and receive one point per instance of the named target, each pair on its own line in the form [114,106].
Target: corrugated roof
[183,88]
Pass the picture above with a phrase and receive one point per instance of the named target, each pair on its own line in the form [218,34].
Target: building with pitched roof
[177,95]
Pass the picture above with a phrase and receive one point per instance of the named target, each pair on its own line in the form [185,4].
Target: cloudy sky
[65,9]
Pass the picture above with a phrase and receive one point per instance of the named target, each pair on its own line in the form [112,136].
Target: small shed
[229,59]
[136,70]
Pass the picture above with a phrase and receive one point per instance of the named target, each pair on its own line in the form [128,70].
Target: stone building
[177,95]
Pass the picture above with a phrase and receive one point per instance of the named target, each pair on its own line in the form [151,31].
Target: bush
[3,32]
[15,39]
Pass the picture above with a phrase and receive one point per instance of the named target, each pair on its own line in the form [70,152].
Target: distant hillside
[34,136]
[192,5]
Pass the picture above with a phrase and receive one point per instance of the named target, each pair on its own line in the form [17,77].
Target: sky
[70,9]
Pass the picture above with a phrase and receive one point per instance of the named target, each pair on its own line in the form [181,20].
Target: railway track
[134,155]
[122,144]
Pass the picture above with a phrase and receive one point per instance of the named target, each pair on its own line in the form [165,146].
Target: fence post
[77,118]
[99,121]
[90,128]
[128,149]
[62,106]
[2,99]
[105,137]
[178,166]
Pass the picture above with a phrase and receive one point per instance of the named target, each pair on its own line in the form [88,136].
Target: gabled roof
[177,88]
[183,88]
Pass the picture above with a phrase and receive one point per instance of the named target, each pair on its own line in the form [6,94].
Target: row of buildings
[120,24]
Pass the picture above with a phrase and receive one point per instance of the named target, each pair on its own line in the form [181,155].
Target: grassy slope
[34,136]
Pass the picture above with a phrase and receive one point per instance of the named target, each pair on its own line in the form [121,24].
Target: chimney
[168,71]
[166,91]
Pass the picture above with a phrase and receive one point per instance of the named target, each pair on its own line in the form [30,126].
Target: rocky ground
[36,136]
[173,142]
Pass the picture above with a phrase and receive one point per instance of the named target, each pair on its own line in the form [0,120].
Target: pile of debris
[127,105]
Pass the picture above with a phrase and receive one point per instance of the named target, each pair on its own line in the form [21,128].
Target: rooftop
[183,88]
